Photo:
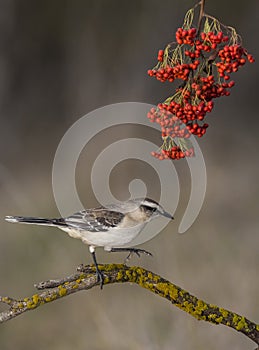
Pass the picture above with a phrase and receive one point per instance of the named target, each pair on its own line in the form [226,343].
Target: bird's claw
[100,277]
[138,252]
[89,269]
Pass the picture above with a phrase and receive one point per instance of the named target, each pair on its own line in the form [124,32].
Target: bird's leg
[99,274]
[131,252]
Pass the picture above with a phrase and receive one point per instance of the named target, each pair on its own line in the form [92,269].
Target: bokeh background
[62,59]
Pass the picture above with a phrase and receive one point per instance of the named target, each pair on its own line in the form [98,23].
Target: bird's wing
[100,219]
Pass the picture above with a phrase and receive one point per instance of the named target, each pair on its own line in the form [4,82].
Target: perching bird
[110,227]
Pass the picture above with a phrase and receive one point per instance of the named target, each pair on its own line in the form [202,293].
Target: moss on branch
[85,279]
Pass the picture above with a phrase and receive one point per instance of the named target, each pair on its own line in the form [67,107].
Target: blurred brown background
[62,59]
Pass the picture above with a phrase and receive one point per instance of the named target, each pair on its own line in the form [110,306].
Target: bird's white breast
[115,237]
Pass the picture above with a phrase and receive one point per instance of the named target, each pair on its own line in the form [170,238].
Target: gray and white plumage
[111,226]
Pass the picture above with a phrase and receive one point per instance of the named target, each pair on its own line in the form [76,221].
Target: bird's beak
[167,215]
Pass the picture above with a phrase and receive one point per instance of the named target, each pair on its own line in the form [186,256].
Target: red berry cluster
[231,58]
[203,61]
[178,121]
[206,89]
[179,71]
[186,36]
[174,153]
[160,55]
[227,60]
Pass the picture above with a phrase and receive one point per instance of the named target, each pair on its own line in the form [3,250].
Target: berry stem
[201,14]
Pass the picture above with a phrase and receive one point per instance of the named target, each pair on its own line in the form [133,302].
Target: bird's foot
[131,251]
[89,269]
[100,277]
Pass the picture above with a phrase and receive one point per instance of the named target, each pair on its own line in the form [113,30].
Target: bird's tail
[35,221]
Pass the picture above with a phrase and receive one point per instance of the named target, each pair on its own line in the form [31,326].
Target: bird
[111,226]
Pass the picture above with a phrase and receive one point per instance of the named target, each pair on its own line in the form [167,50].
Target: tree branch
[85,279]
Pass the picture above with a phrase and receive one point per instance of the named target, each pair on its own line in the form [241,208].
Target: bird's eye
[147,208]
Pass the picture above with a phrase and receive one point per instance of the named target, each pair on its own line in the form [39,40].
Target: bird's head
[151,208]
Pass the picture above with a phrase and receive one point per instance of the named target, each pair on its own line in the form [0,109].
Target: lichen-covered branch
[85,279]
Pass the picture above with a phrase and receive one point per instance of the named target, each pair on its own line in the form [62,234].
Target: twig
[201,14]
[85,279]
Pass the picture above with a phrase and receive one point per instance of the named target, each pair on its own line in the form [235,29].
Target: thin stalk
[201,14]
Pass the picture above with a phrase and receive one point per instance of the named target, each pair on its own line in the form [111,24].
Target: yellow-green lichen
[50,298]
[138,272]
[212,317]
[199,309]
[156,279]
[163,288]
[223,312]
[7,300]
[111,267]
[119,276]
[219,319]
[75,286]
[181,294]
[128,275]
[33,302]
[62,291]
[106,280]
[201,306]
[212,306]
[235,319]
[35,299]
[188,307]
[150,276]
[241,324]
[139,276]
[173,292]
